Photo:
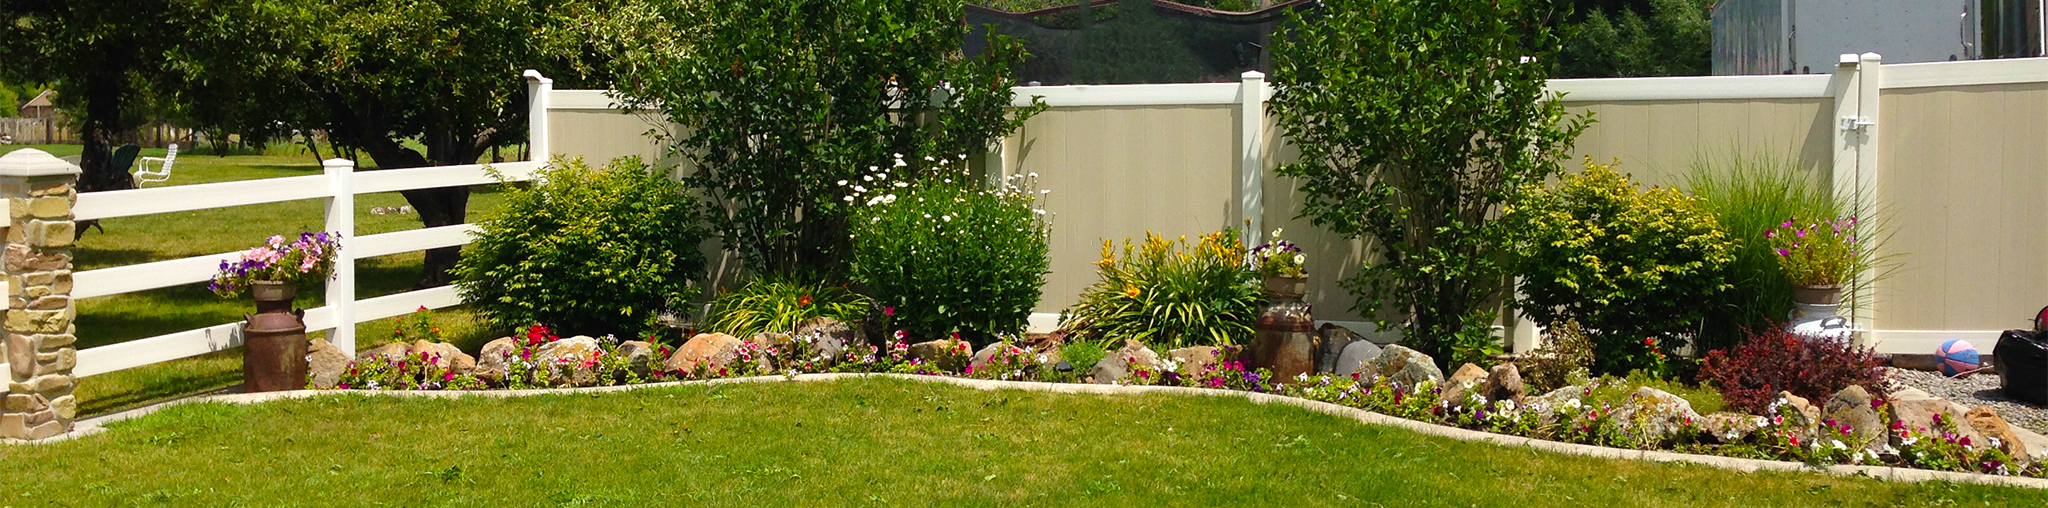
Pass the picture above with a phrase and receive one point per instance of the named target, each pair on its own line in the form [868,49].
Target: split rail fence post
[341,218]
[42,342]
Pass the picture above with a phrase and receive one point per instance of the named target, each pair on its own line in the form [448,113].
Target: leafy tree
[410,83]
[1674,39]
[1417,120]
[785,99]
[98,54]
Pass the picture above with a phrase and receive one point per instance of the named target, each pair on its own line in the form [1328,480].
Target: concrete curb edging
[98,424]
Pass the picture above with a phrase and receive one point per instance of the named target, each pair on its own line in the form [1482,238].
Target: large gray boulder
[1406,366]
[1656,414]
[1354,358]
[1334,340]
[640,356]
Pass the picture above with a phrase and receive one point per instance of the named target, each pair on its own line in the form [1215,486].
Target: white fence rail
[338,187]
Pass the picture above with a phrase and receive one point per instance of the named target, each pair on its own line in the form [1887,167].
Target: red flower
[889,311]
[1649,341]
[803,300]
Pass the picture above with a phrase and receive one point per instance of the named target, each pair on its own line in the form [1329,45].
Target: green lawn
[869,442]
[131,240]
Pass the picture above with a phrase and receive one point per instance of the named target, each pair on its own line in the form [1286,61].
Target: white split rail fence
[338,187]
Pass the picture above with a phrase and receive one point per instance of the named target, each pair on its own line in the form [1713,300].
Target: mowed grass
[863,442]
[131,240]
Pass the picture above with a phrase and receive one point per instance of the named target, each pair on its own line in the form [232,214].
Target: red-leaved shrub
[1750,375]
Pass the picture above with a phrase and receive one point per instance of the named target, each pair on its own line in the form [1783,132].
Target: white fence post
[341,218]
[538,88]
[1252,127]
[1854,176]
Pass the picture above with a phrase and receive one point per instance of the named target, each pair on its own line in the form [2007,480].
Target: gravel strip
[1977,390]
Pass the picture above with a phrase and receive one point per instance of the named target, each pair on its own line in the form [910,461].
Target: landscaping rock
[326,363]
[1996,430]
[1916,410]
[566,360]
[1354,358]
[1406,366]
[1851,407]
[943,354]
[765,340]
[639,356]
[385,353]
[1462,383]
[828,336]
[1656,414]
[494,361]
[1193,360]
[985,355]
[446,355]
[1504,382]
[1118,365]
[713,351]
[1804,415]
[1725,427]
[2037,445]
[1548,405]
[1335,339]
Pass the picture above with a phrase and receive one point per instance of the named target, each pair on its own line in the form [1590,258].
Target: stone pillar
[41,341]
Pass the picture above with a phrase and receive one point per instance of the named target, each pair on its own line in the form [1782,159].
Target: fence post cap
[1250,75]
[534,76]
[33,162]
[337,161]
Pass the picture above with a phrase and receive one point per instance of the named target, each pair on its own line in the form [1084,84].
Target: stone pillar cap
[33,162]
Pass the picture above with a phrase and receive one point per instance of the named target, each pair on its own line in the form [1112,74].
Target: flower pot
[274,340]
[1830,294]
[1286,287]
[1285,337]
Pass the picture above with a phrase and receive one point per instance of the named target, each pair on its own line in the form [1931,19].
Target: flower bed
[1850,428]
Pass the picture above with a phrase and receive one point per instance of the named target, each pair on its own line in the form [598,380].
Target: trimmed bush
[949,257]
[1750,375]
[1170,294]
[1631,266]
[595,251]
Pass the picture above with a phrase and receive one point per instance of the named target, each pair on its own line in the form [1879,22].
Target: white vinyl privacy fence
[338,187]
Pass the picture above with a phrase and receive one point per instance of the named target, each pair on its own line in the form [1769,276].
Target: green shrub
[1748,195]
[596,251]
[952,258]
[1629,265]
[1169,294]
[1416,121]
[774,303]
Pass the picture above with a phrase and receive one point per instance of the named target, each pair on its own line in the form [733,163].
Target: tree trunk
[102,126]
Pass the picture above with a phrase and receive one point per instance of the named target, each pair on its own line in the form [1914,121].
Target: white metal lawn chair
[163,167]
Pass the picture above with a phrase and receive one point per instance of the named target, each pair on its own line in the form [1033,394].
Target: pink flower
[889,311]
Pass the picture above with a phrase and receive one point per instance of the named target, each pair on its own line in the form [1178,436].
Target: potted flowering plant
[1819,257]
[274,338]
[1284,338]
[1281,263]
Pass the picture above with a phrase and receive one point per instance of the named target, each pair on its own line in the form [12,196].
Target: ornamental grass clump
[1170,294]
[772,303]
[306,260]
[1748,195]
[599,251]
[947,255]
